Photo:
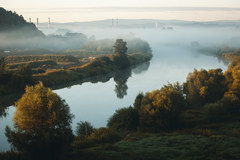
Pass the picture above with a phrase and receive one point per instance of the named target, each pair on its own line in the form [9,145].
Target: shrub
[104,135]
[203,87]
[160,109]
[222,110]
[84,128]
[124,119]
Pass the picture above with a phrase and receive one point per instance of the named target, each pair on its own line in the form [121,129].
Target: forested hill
[11,21]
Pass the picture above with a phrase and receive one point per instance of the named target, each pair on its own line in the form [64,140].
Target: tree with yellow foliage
[204,87]
[233,78]
[42,123]
[160,109]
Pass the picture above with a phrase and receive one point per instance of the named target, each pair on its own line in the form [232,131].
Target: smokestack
[30,20]
[117,22]
[112,22]
[48,22]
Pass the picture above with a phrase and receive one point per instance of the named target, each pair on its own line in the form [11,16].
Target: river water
[172,61]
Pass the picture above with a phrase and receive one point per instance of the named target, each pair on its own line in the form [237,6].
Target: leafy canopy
[120,47]
[42,123]
[160,108]
[41,109]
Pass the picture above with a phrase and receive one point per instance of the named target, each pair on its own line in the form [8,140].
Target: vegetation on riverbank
[98,66]
[60,69]
[194,120]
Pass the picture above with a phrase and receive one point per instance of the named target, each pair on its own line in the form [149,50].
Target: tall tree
[120,47]
[42,123]
[120,58]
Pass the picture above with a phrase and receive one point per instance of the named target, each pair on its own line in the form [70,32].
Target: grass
[62,76]
[222,144]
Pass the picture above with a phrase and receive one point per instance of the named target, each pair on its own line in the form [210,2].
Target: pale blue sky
[125,3]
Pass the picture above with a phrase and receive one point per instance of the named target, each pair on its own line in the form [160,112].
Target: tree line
[42,119]
[206,97]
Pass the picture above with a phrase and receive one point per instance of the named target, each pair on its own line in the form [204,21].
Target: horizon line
[143,19]
[137,7]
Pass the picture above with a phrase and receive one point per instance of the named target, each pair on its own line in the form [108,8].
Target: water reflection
[141,68]
[121,78]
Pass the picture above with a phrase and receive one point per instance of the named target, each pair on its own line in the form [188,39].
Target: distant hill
[12,22]
[145,23]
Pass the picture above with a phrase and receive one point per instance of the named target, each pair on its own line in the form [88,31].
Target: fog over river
[174,57]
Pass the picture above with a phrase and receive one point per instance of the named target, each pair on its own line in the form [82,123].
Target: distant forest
[23,38]
[10,21]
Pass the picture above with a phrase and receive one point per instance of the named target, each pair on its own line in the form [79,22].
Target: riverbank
[100,66]
[99,70]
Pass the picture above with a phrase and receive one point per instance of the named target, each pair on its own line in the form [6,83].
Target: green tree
[120,58]
[42,123]
[84,128]
[138,102]
[120,47]
[160,109]
[124,119]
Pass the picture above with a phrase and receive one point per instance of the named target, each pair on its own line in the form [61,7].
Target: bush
[12,156]
[84,128]
[222,110]
[161,109]
[104,135]
[203,87]
[121,61]
[193,117]
[124,119]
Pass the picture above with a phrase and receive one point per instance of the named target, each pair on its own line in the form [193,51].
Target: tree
[138,102]
[160,109]
[42,123]
[120,47]
[233,78]
[120,58]
[204,87]
[124,119]
[84,128]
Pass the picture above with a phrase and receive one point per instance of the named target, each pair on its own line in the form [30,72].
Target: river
[171,62]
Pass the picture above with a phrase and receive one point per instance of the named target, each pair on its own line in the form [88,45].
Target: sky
[89,10]
[122,3]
